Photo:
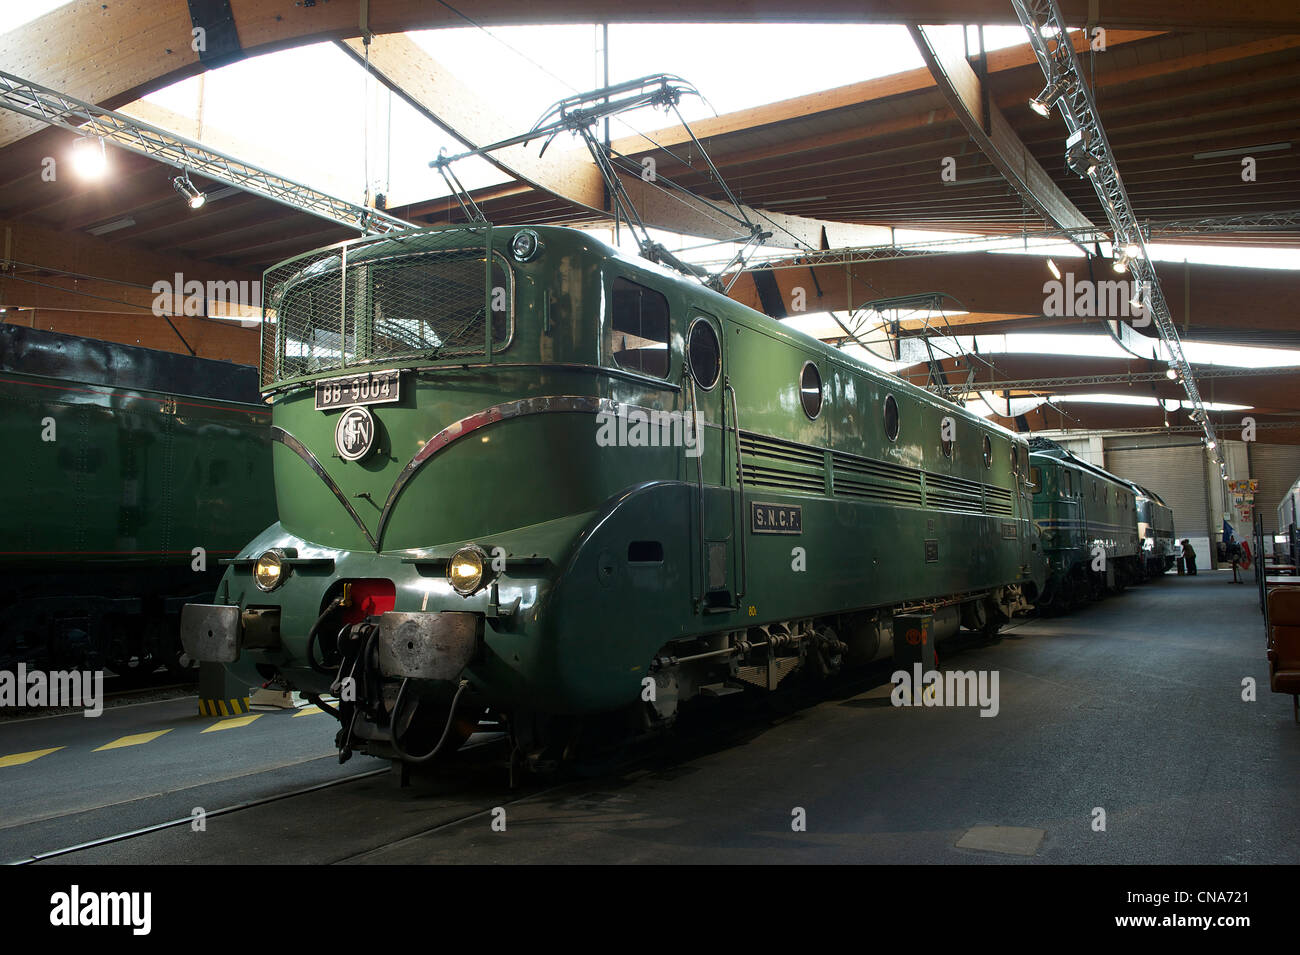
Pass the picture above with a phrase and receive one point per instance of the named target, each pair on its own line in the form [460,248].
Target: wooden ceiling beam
[1246,300]
[439,95]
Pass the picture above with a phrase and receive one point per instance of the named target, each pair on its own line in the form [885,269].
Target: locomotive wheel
[982,618]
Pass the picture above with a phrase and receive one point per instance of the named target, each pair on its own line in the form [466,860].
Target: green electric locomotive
[1155,533]
[519,471]
[134,471]
[1089,525]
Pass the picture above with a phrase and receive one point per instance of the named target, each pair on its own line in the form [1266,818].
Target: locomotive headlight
[270,570]
[525,245]
[465,570]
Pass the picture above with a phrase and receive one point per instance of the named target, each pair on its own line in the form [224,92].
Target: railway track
[468,800]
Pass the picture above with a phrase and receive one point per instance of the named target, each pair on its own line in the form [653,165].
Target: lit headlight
[525,245]
[270,570]
[465,570]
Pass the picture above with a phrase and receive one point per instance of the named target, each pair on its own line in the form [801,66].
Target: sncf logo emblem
[354,435]
[775,518]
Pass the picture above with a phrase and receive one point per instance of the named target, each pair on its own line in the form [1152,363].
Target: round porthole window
[704,354]
[891,418]
[988,453]
[810,390]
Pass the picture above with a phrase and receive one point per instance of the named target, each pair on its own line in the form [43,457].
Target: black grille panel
[782,465]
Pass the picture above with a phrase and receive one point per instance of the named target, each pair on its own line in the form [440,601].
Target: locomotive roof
[438,238]
[1044,447]
[33,351]
[735,310]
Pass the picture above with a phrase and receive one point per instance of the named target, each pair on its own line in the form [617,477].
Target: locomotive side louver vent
[953,494]
[998,500]
[869,480]
[782,465]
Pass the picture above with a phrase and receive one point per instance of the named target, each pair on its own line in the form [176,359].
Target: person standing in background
[1189,556]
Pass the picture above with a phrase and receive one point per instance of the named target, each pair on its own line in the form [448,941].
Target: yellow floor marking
[232,723]
[17,759]
[135,740]
[308,711]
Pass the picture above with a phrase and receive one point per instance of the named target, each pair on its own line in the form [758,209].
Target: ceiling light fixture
[1139,293]
[1079,154]
[1042,103]
[89,158]
[193,195]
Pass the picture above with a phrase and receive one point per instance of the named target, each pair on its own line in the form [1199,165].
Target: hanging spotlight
[1210,444]
[1120,262]
[1056,272]
[1171,373]
[1140,298]
[1079,154]
[89,158]
[193,195]
[1042,103]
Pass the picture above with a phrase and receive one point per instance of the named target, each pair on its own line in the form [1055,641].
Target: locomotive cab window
[704,353]
[810,390]
[638,328]
[1036,477]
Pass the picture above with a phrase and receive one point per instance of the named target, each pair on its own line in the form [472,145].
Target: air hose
[451,716]
[315,632]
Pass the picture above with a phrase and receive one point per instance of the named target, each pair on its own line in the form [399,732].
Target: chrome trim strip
[480,419]
[298,448]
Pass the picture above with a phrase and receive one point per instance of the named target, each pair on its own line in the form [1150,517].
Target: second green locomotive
[1099,532]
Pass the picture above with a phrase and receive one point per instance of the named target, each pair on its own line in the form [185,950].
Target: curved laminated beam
[966,94]
[441,96]
[1222,299]
[113,53]
[1264,390]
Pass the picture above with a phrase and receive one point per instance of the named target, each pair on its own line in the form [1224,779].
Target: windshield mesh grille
[385,298]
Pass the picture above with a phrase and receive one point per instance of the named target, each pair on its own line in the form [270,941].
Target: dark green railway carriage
[482,475]
[125,460]
[1088,521]
[1155,533]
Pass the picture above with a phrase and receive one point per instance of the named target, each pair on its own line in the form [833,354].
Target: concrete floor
[1132,706]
